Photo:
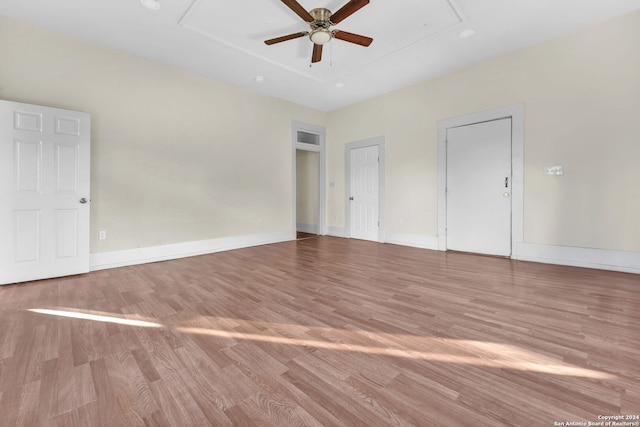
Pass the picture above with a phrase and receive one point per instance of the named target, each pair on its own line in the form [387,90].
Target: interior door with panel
[364,193]
[478,188]
[44,192]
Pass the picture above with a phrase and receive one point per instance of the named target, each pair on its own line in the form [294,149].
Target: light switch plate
[554,170]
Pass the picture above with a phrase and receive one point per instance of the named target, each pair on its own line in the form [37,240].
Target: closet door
[479,188]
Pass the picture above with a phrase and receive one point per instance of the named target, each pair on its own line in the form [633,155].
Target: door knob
[83,200]
[506,194]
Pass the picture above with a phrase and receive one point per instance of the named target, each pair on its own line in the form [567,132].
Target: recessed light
[150,4]
[465,34]
[338,85]
[259,79]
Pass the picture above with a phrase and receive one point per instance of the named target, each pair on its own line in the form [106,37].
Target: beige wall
[582,100]
[178,157]
[175,157]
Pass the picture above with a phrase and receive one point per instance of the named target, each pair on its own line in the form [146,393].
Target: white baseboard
[307,228]
[335,231]
[105,260]
[413,240]
[628,262]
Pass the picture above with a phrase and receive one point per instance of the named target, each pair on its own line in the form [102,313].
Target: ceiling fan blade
[285,38]
[317,53]
[352,38]
[348,9]
[299,10]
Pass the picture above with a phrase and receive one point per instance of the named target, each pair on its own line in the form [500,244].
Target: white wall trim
[105,260]
[322,170]
[603,259]
[413,240]
[336,231]
[307,228]
[628,262]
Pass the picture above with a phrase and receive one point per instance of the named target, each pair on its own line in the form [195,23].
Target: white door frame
[379,141]
[516,113]
[322,171]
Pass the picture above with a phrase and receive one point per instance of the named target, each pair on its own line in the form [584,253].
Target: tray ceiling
[414,40]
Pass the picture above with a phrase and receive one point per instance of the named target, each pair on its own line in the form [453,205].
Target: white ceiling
[414,40]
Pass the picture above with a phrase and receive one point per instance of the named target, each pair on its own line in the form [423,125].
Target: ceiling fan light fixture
[150,4]
[320,36]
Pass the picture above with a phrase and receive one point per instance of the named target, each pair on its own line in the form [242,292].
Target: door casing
[322,168]
[516,113]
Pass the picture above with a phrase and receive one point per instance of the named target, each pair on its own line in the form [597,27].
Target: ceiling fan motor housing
[321,18]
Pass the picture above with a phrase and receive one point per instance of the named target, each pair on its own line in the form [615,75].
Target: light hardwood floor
[322,331]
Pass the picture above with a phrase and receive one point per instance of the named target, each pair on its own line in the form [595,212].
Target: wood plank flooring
[322,332]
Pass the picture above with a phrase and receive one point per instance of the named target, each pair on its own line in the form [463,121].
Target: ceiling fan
[320,20]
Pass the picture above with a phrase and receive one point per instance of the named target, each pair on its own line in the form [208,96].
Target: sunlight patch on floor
[434,349]
[96,317]
[503,356]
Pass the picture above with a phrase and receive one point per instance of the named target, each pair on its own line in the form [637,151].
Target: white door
[479,188]
[44,192]
[364,193]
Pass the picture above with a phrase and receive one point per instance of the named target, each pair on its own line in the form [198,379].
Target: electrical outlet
[102,235]
[260,222]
